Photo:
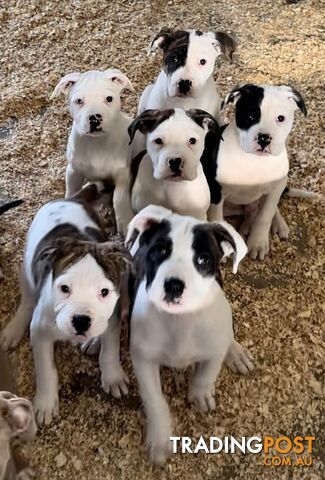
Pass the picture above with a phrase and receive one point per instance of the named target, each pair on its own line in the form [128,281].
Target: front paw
[239,360]
[115,380]
[160,449]
[258,244]
[46,407]
[203,397]
[280,227]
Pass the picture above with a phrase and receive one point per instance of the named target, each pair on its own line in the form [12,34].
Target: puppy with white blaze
[186,81]
[247,170]
[70,285]
[98,146]
[180,315]
[169,172]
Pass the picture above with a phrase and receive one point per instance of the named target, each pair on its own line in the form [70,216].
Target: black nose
[174,288]
[175,164]
[95,121]
[184,86]
[81,323]
[264,139]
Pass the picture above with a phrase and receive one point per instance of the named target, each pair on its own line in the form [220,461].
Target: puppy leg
[73,181]
[239,360]
[46,402]
[215,212]
[114,379]
[258,240]
[159,428]
[202,384]
[279,225]
[14,331]
[122,202]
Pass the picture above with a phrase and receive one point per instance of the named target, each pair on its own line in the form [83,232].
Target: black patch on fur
[207,244]
[299,101]
[134,168]
[8,206]
[175,48]
[199,33]
[148,121]
[248,106]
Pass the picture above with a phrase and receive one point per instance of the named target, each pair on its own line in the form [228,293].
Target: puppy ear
[119,79]
[143,221]
[231,242]
[232,97]
[19,416]
[204,119]
[300,102]
[148,121]
[160,41]
[65,84]
[223,43]
[114,260]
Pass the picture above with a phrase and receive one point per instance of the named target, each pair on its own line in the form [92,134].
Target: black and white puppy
[180,315]
[249,168]
[70,285]
[186,81]
[169,171]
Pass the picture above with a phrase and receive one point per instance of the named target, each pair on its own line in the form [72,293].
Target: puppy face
[94,99]
[83,283]
[264,116]
[189,58]
[175,140]
[178,257]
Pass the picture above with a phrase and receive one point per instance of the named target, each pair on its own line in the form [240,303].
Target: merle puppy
[247,170]
[186,80]
[180,315]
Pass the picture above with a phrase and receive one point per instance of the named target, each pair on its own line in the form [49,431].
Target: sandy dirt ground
[278,303]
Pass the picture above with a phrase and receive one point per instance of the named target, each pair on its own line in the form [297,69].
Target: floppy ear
[142,221]
[65,84]
[232,97]
[148,121]
[223,43]
[111,254]
[300,102]
[204,119]
[19,416]
[160,41]
[119,79]
[231,242]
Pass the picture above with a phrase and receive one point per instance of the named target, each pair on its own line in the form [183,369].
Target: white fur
[197,331]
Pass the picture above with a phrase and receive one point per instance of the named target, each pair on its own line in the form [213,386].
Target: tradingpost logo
[273,451]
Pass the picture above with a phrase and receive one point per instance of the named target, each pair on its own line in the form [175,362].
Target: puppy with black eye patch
[247,170]
[180,316]
[70,285]
[186,80]
[98,146]
[169,171]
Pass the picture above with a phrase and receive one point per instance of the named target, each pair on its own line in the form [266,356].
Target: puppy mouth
[264,151]
[96,133]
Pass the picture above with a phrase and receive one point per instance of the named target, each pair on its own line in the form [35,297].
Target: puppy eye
[174,59]
[65,289]
[104,292]
[203,61]
[251,117]
[203,260]
[158,251]
[192,141]
[109,99]
[79,101]
[280,118]
[158,141]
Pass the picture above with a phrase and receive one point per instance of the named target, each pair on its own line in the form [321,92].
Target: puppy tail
[8,206]
[297,193]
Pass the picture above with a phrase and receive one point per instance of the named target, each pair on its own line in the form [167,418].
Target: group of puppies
[177,172]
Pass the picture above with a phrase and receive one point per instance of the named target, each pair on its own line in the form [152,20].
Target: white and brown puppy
[180,315]
[70,285]
[247,170]
[186,81]
[169,171]
[98,147]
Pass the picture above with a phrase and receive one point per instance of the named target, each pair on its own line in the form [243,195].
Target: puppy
[16,421]
[180,315]
[169,172]
[247,170]
[8,205]
[70,286]
[186,81]
[98,143]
